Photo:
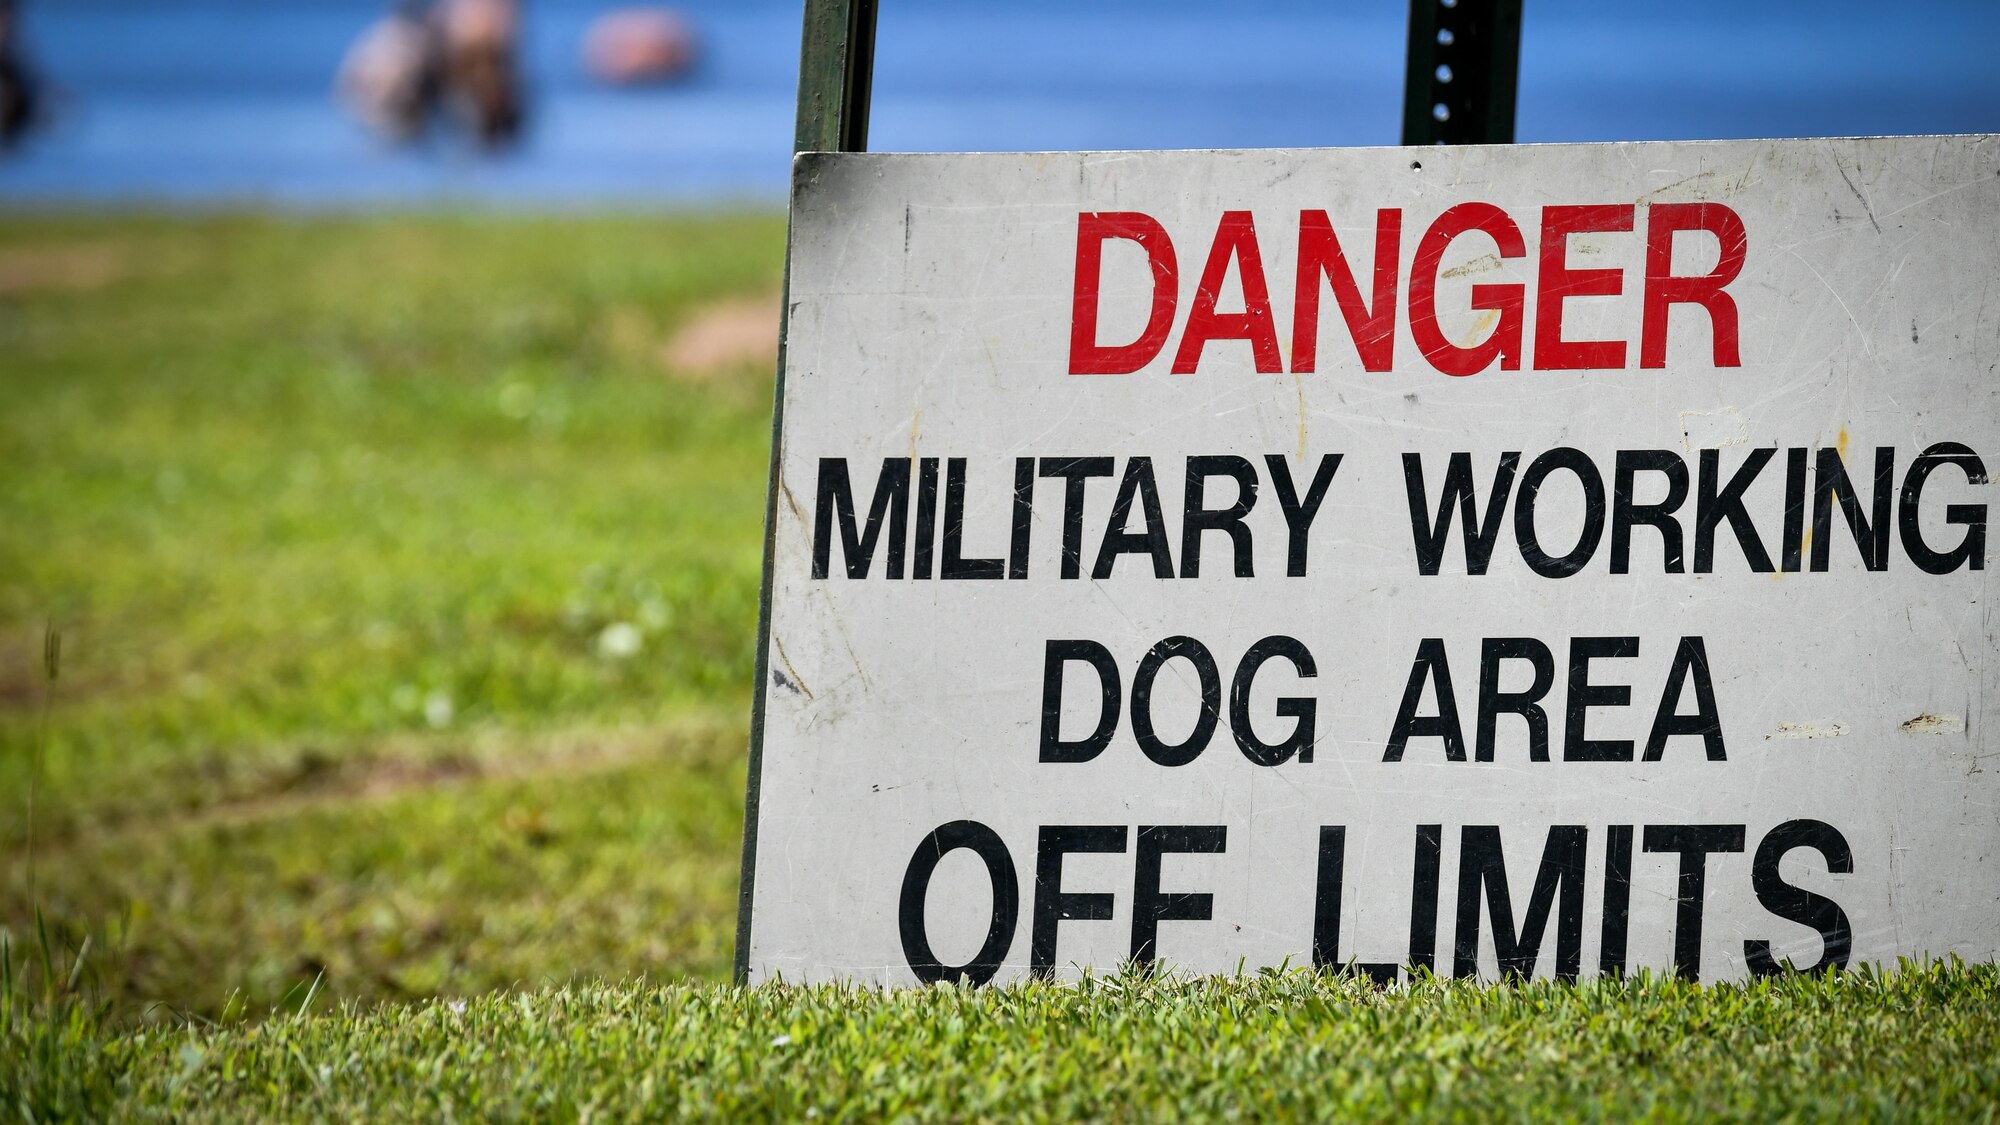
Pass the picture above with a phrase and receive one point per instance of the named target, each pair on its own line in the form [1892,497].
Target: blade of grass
[51,671]
[6,983]
[48,954]
[76,969]
[306,1004]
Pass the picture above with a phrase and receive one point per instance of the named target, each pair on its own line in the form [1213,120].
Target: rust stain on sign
[1481,327]
[1807,730]
[1928,723]
[794,682]
[1482,264]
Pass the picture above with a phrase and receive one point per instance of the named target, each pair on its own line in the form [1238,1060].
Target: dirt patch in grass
[734,335]
[23,683]
[279,785]
[531,860]
[64,267]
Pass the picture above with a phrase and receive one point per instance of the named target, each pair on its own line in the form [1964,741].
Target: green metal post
[836,69]
[1464,67]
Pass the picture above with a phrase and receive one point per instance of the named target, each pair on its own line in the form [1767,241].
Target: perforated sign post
[1528,560]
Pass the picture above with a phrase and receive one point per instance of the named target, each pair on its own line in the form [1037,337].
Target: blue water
[207,101]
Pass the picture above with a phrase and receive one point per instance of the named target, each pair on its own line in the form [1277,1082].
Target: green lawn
[392,763]
[348,528]
[1922,1045]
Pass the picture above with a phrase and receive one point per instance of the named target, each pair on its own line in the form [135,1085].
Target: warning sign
[1545,561]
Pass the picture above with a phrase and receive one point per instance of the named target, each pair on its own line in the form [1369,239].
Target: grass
[406,595]
[338,521]
[1922,1044]
[330,481]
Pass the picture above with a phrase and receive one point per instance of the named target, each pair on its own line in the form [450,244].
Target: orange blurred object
[633,46]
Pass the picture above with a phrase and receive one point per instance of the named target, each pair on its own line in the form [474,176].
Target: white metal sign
[1540,560]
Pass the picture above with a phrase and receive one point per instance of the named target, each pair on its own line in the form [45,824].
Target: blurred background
[385,407]
[232,100]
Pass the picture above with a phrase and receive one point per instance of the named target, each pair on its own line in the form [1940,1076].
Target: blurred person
[20,94]
[450,58]
[389,78]
[630,46]
[481,79]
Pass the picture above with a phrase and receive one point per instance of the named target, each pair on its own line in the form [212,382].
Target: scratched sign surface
[1543,560]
